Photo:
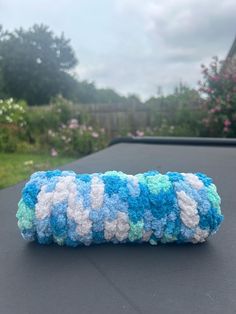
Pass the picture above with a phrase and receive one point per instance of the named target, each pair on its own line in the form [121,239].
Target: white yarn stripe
[43,206]
[47,199]
[122,226]
[81,216]
[189,214]
[119,227]
[62,188]
[133,186]
[200,235]
[65,189]
[97,192]
[77,212]
[84,227]
[193,180]
[110,229]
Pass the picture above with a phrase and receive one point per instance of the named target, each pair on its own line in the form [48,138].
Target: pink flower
[139,133]
[227,123]
[215,78]
[73,124]
[54,153]
[214,110]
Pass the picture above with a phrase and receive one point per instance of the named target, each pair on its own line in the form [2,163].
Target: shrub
[62,126]
[177,114]
[219,88]
[12,124]
[59,128]
[76,139]
[8,141]
[12,113]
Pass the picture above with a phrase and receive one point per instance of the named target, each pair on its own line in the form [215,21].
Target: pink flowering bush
[77,140]
[63,129]
[219,88]
[60,128]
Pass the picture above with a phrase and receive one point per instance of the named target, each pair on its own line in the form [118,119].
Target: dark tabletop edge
[195,141]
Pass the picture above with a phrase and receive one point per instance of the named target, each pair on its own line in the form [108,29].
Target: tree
[1,76]
[34,63]
[1,86]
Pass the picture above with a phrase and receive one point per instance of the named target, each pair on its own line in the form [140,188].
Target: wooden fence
[118,119]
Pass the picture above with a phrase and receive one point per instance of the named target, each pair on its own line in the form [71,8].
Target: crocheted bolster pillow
[73,209]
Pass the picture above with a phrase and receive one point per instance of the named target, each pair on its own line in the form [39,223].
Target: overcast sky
[134,46]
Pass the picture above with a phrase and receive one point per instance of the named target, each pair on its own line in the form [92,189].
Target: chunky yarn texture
[75,209]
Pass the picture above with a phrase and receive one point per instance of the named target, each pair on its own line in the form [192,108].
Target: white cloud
[175,37]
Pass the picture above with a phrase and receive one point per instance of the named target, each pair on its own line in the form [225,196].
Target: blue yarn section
[80,209]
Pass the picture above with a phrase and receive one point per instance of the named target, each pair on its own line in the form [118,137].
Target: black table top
[126,278]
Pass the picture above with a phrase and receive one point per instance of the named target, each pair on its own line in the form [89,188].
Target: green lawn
[17,167]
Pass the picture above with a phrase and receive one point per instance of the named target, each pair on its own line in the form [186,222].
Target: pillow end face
[26,221]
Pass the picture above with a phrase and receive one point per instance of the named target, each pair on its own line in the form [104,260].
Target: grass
[17,167]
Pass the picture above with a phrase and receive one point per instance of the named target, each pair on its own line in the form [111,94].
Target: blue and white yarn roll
[75,209]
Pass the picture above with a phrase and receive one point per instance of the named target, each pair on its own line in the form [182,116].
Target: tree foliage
[177,113]
[34,63]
